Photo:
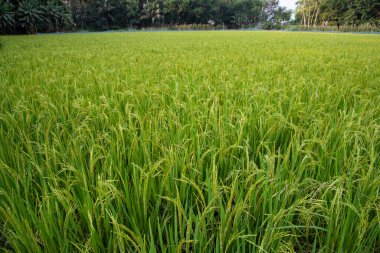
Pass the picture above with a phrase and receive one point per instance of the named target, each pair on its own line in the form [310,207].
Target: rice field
[190,142]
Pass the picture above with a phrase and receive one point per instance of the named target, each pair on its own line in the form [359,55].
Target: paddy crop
[190,142]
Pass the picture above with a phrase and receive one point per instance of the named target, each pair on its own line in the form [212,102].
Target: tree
[152,10]
[309,11]
[349,12]
[56,15]
[273,15]
[7,17]
[282,14]
[29,15]
[175,9]
[248,12]
[131,11]
[362,11]
[105,8]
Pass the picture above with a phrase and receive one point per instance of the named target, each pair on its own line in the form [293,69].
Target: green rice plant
[190,142]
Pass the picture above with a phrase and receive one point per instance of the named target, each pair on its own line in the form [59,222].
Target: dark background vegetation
[32,16]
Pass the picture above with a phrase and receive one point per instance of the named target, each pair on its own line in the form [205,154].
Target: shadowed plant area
[190,142]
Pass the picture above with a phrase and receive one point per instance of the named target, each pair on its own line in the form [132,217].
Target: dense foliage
[190,142]
[339,12]
[29,16]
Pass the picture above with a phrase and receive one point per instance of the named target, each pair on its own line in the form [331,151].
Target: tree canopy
[31,16]
[348,12]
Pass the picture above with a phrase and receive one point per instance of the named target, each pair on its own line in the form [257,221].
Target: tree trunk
[308,18]
[303,18]
[316,17]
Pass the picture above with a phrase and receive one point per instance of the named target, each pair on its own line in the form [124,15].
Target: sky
[290,4]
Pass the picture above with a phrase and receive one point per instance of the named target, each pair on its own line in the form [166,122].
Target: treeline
[338,12]
[34,16]
[31,16]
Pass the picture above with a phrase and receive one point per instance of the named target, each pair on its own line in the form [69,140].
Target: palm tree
[152,10]
[29,15]
[55,15]
[52,15]
[104,10]
[7,18]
